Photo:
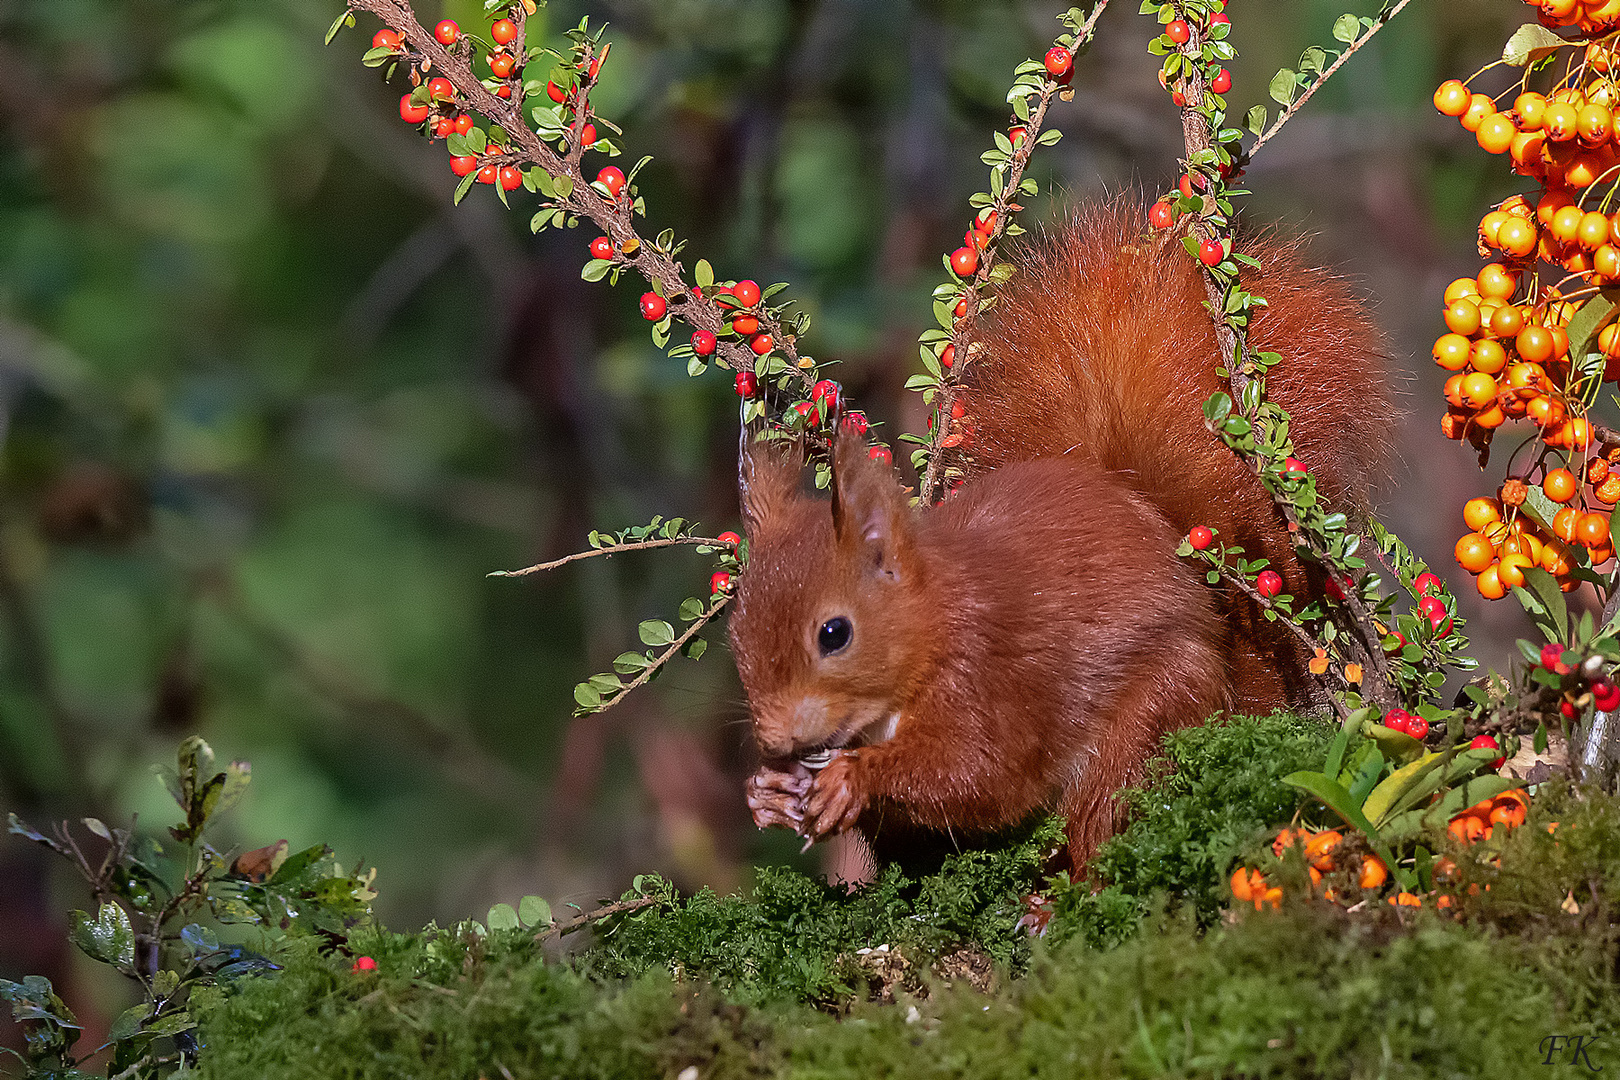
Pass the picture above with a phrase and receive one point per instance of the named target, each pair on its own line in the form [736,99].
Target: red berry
[854,422]
[504,31]
[745,324]
[1398,720]
[441,89]
[1059,64]
[729,538]
[1200,537]
[1334,588]
[447,32]
[1220,18]
[825,395]
[805,412]
[1016,135]
[556,93]
[612,178]
[1293,464]
[1435,609]
[747,384]
[1268,583]
[1178,31]
[746,292]
[720,582]
[1605,695]
[385,39]
[587,135]
[653,306]
[762,344]
[601,248]
[444,126]
[881,453]
[464,123]
[501,64]
[964,261]
[986,221]
[1486,742]
[461,166]
[364,963]
[1160,216]
[1211,252]
[1552,655]
[1417,727]
[1222,82]
[412,114]
[511,178]
[1567,708]
[961,309]
[1426,583]
[488,174]
[503,91]
[703,343]
[947,357]
[1400,641]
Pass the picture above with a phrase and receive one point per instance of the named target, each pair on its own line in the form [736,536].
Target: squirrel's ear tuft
[767,480]
[869,508]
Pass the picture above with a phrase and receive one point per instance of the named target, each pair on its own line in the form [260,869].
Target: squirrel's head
[828,623]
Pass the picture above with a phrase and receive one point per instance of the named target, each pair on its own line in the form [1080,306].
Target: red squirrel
[1026,644]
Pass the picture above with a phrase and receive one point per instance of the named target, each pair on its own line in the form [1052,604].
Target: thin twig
[613,549]
[1294,106]
[617,908]
[962,337]
[613,216]
[720,600]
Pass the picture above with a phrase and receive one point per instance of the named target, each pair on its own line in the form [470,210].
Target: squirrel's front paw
[776,796]
[836,799]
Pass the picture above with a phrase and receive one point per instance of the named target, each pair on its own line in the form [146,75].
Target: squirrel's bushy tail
[1101,345]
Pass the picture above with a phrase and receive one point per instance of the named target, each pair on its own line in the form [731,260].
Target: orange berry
[1524,544]
[1583,170]
[1462,287]
[1560,121]
[1566,224]
[1594,124]
[1373,872]
[1284,841]
[1496,280]
[1526,375]
[1466,828]
[1474,552]
[1462,317]
[1452,98]
[1606,261]
[1509,814]
[1451,351]
[1507,321]
[1559,485]
[1580,434]
[1241,888]
[1516,236]
[1319,849]
[1488,356]
[1564,524]
[1592,530]
[1480,512]
[1478,389]
[1608,492]
[1406,899]
[1489,583]
[1555,558]
[1510,571]
[1272,896]
[1609,340]
[1495,133]
[1453,390]
[1546,411]
[1534,343]
[1492,417]
[1530,106]
[1479,107]
[1489,224]
[1592,232]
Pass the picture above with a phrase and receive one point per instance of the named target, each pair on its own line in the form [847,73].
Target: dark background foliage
[270,407]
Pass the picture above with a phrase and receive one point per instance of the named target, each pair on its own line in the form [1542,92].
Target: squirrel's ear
[869,508]
[767,480]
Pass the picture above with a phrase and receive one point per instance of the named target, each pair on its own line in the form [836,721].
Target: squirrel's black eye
[834,635]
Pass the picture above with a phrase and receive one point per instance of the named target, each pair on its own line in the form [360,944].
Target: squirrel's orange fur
[1027,643]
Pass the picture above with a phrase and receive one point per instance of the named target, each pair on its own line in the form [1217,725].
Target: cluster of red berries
[1576,687]
[720,580]
[1510,355]
[1407,723]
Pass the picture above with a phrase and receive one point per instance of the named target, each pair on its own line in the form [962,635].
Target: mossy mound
[1149,976]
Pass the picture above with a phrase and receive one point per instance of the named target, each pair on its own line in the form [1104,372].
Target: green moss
[1145,977]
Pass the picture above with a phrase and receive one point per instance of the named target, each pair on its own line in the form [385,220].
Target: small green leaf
[587,696]
[534,911]
[345,18]
[108,937]
[1528,44]
[129,1022]
[1282,87]
[656,632]
[703,274]
[502,917]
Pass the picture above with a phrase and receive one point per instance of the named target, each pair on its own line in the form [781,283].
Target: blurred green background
[271,408]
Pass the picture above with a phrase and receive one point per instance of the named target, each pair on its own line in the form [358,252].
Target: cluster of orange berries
[1502,544]
[1251,885]
[1592,16]
[1510,359]
[1508,810]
